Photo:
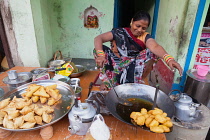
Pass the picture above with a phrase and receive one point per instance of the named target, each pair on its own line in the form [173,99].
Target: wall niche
[91,17]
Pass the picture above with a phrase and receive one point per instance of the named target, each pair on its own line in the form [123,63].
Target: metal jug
[186,109]
[81,116]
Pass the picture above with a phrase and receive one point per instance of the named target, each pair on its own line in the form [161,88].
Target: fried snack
[18,122]
[29,117]
[38,120]
[26,110]
[1,120]
[39,111]
[13,114]
[53,93]
[54,86]
[149,120]
[2,113]
[164,114]
[35,98]
[43,100]
[156,129]
[32,88]
[22,104]
[157,111]
[135,115]
[59,97]
[51,101]
[4,103]
[41,92]
[140,120]
[165,128]
[27,125]
[168,124]
[46,117]
[160,118]
[154,123]
[143,111]
[20,110]
[8,123]
[48,109]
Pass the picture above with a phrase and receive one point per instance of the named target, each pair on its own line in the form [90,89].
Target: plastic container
[202,70]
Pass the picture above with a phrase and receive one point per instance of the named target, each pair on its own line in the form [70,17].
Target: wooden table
[119,130]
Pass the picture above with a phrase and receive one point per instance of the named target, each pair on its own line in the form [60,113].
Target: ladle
[120,100]
[156,92]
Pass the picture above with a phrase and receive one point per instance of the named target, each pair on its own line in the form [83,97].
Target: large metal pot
[143,92]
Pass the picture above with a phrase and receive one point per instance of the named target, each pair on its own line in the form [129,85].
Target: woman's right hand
[100,60]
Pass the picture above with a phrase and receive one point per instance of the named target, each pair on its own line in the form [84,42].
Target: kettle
[186,109]
[81,116]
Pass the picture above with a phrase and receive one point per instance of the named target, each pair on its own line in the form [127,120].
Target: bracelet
[100,53]
[167,58]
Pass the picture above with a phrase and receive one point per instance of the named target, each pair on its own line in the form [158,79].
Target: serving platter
[60,109]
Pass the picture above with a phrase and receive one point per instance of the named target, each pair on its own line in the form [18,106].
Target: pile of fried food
[26,112]
[47,94]
[156,120]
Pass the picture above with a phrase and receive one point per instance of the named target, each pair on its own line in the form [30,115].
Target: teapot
[186,109]
[81,116]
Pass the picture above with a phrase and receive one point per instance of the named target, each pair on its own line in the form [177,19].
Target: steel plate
[60,109]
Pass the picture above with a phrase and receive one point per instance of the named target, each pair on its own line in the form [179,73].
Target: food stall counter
[119,130]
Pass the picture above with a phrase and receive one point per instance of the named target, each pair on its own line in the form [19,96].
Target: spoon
[156,92]
[155,98]
[120,100]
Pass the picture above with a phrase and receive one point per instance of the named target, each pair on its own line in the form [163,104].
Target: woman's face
[139,27]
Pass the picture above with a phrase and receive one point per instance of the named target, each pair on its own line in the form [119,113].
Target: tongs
[49,69]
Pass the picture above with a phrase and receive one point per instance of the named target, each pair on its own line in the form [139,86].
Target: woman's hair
[142,15]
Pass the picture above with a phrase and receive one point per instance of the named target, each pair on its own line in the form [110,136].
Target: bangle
[167,58]
[100,53]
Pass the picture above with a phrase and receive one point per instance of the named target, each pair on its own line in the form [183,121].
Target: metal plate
[81,70]
[60,109]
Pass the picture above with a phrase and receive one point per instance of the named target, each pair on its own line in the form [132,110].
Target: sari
[128,63]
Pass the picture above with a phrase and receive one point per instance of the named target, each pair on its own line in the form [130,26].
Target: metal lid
[185,99]
[193,74]
[22,77]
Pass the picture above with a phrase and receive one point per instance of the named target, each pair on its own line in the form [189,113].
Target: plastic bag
[98,130]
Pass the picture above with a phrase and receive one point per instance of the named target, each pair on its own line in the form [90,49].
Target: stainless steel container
[198,87]
[21,79]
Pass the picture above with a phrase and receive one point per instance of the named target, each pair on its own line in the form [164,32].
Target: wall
[41,18]
[174,30]
[67,27]
[23,27]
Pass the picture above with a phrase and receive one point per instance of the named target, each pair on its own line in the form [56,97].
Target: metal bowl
[81,70]
[60,109]
[56,63]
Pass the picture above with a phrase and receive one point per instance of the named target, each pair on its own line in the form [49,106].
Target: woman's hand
[100,60]
[173,64]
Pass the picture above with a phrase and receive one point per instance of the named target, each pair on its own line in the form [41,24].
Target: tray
[60,109]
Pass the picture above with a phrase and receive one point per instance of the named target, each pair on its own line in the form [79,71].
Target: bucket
[202,70]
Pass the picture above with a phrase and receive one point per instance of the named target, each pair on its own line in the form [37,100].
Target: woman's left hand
[173,64]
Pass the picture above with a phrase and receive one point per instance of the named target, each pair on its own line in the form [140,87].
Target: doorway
[124,10]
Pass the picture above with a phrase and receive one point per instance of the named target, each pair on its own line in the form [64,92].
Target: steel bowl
[143,92]
[56,63]
[81,70]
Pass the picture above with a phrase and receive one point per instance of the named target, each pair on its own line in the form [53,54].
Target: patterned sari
[129,67]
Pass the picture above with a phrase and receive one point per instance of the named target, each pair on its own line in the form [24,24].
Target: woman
[131,49]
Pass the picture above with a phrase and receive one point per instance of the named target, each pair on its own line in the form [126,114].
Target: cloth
[126,63]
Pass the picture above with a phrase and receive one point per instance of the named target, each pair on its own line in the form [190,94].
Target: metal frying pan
[143,92]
